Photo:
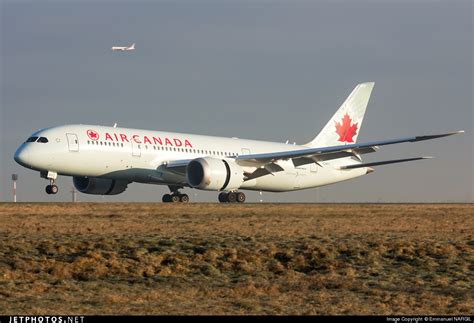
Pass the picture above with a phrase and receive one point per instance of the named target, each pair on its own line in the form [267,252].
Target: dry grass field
[98,258]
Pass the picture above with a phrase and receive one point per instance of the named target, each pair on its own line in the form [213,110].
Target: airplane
[105,160]
[123,48]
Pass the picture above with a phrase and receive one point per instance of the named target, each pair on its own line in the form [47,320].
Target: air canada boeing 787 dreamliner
[104,160]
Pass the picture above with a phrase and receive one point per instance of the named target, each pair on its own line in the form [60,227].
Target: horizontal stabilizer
[386,162]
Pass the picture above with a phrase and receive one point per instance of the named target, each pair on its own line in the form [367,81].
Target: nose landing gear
[232,197]
[52,188]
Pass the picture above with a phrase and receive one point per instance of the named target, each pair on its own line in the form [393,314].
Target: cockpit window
[31,139]
[43,140]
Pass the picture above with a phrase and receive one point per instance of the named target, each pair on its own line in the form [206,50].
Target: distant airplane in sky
[124,48]
[104,160]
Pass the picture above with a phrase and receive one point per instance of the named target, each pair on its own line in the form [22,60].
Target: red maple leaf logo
[345,130]
[93,134]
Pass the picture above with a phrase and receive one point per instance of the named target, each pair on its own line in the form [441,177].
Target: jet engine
[99,186]
[214,174]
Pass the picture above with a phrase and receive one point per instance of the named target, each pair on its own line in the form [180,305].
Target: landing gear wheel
[184,198]
[232,197]
[223,197]
[166,198]
[240,197]
[174,198]
[52,189]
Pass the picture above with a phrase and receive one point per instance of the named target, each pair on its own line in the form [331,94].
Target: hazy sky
[272,70]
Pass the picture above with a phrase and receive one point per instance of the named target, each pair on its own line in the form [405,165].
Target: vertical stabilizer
[345,124]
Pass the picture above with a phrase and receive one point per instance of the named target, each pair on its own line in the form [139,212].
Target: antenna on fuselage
[115,125]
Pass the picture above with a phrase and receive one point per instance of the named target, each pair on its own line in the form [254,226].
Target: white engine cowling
[214,174]
[99,186]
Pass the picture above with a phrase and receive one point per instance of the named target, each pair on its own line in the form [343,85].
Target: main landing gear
[52,188]
[232,197]
[175,196]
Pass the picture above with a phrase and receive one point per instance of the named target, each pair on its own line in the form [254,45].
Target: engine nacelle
[214,174]
[99,186]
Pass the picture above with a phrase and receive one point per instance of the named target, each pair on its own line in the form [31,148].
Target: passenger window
[43,140]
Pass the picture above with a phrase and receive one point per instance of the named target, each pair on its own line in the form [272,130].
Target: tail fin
[132,47]
[345,124]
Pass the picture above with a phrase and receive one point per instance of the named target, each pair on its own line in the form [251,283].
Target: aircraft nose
[22,156]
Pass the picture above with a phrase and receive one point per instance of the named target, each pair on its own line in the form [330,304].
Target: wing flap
[265,170]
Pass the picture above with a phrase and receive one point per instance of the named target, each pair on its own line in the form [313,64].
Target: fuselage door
[136,149]
[72,142]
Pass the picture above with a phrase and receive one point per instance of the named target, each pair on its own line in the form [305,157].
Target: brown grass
[94,258]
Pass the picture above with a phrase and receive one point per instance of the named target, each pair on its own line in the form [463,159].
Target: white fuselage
[141,156]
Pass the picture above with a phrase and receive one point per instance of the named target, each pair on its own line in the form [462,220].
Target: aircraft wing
[310,155]
[314,155]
